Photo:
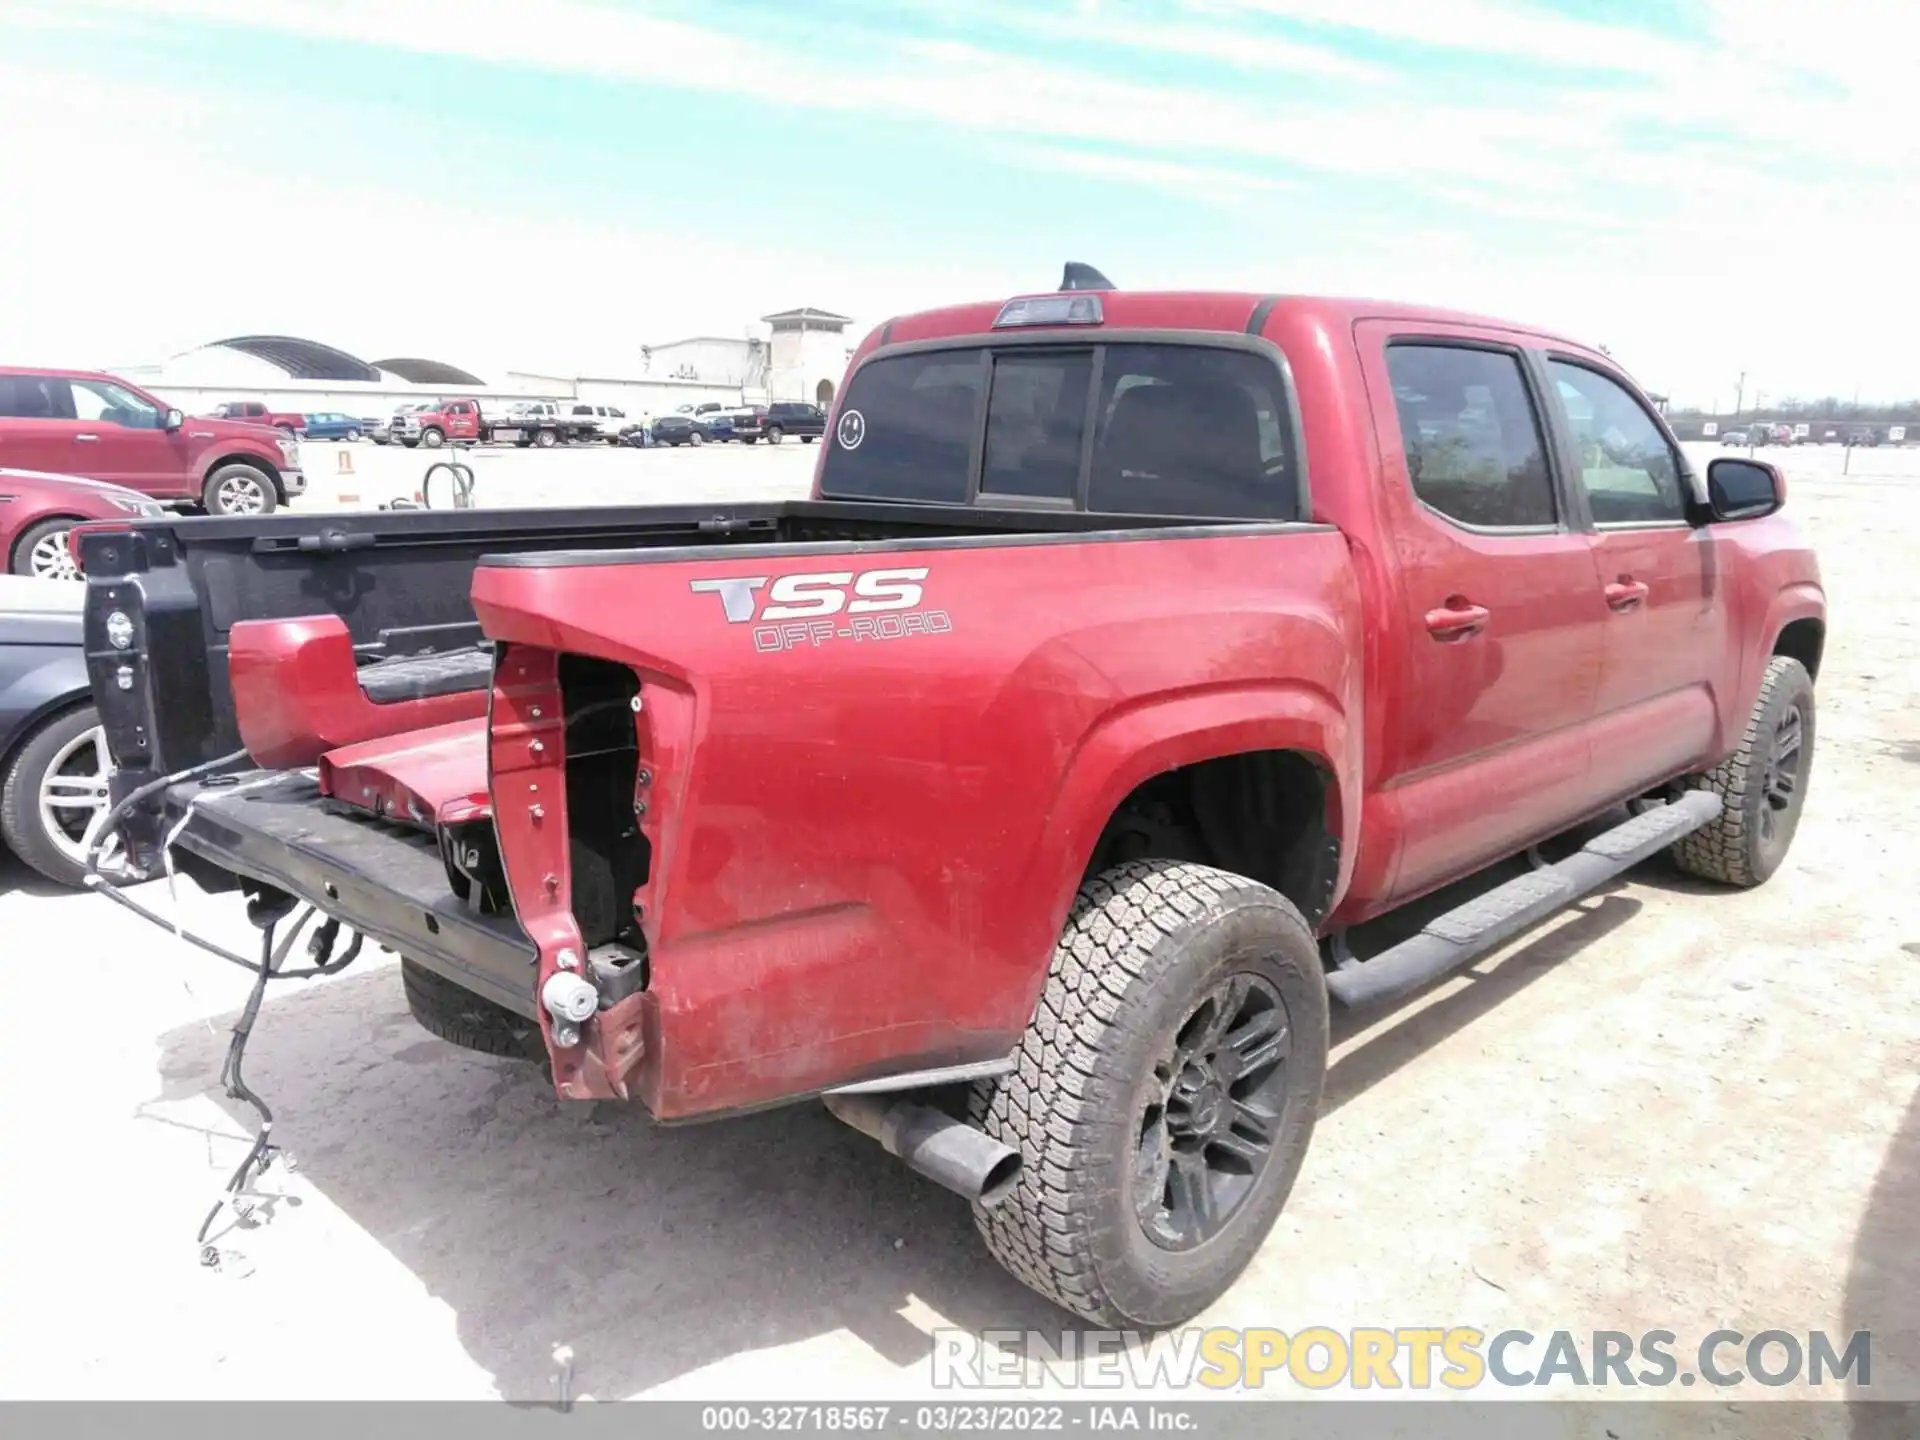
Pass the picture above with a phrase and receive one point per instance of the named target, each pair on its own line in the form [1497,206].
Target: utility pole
[1739,393]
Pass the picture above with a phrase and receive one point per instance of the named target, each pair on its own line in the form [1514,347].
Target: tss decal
[893,595]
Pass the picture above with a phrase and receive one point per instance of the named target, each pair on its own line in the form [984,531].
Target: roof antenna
[1084,277]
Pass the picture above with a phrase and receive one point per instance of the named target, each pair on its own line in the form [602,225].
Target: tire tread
[463,1018]
[1724,850]
[1121,938]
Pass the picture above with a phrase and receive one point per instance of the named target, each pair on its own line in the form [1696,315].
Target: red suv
[77,422]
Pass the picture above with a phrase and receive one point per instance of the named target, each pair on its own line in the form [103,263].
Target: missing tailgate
[608,856]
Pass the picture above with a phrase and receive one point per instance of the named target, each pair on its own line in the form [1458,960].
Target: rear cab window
[1127,427]
[1474,446]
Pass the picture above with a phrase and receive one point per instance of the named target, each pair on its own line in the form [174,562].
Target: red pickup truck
[78,422]
[1015,794]
[255,412]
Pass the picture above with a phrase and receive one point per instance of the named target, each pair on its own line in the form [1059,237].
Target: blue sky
[1706,186]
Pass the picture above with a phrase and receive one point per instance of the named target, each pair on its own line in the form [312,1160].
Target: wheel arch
[13,551]
[43,693]
[1291,735]
[243,457]
[1803,639]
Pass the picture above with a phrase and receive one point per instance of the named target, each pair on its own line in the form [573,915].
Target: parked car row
[749,424]
[543,423]
[465,420]
[1760,433]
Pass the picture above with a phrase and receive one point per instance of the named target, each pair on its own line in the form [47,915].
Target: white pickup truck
[610,422]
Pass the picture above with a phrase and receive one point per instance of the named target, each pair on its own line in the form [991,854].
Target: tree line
[1828,409]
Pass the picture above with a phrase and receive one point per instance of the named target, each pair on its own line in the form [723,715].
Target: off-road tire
[1144,942]
[463,1018]
[1733,849]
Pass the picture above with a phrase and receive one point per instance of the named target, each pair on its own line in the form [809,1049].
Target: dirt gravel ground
[1674,1108]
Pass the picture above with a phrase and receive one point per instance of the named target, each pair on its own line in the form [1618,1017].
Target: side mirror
[1744,489]
[172,421]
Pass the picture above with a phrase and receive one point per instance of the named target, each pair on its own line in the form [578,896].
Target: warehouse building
[802,357]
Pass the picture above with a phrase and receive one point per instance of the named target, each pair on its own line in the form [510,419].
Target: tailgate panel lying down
[432,777]
[386,881]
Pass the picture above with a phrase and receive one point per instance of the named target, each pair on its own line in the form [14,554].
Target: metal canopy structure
[429,372]
[302,359]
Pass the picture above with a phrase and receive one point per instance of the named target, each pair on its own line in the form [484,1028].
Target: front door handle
[1626,593]
[86,439]
[1457,619]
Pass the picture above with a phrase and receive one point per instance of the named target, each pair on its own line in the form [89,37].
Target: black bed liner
[420,677]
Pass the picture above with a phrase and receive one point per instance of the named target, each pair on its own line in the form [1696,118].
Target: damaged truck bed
[1131,650]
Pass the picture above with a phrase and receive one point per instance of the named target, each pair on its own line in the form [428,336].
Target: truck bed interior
[400,581]
[381,832]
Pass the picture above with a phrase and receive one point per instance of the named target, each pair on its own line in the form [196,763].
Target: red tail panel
[297,695]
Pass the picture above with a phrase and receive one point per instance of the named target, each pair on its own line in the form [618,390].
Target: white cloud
[963,85]
[1665,196]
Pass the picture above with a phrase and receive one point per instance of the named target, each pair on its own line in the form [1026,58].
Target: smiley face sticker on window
[851,430]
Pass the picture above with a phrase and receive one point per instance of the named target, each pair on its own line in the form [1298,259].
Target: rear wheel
[1763,785]
[806,439]
[240,489]
[42,552]
[545,439]
[463,1018]
[774,435]
[353,435]
[1163,1096]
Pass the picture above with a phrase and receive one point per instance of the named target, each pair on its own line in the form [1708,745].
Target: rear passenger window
[1192,430]
[1473,443]
[35,397]
[1035,420]
[906,429]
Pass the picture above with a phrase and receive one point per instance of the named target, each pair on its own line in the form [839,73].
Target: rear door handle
[86,439]
[1626,593]
[1457,619]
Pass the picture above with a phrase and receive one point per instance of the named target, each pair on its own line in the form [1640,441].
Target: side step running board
[1470,931]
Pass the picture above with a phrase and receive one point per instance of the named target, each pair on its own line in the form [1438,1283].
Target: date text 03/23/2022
[946,1419]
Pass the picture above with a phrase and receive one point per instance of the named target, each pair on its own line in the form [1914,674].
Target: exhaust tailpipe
[947,1151]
